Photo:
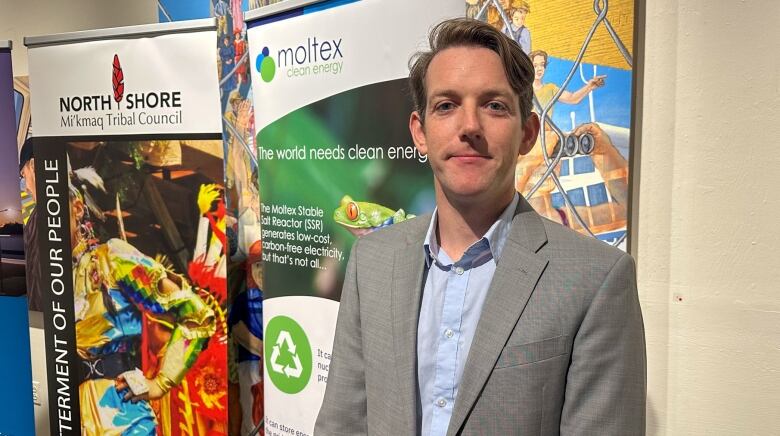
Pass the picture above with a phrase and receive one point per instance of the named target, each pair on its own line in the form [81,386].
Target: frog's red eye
[352,211]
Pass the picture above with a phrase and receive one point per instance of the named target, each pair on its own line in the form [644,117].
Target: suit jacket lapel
[517,273]
[406,293]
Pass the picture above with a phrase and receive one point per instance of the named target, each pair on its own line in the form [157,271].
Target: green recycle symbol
[288,355]
[297,369]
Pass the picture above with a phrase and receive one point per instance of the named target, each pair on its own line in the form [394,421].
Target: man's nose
[471,124]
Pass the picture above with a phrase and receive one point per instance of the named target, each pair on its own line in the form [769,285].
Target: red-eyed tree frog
[360,217]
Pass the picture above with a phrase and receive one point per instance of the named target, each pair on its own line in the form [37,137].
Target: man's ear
[77,209]
[530,133]
[417,130]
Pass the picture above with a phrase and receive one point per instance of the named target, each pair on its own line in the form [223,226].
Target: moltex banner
[131,229]
[336,161]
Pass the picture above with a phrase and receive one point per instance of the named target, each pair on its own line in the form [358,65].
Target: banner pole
[140,31]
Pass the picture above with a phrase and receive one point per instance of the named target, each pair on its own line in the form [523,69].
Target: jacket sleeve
[343,410]
[606,384]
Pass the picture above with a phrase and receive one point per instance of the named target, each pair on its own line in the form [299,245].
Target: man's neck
[459,225]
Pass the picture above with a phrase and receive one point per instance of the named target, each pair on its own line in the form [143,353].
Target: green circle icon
[267,69]
[287,355]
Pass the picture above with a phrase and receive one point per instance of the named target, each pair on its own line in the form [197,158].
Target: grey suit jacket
[559,348]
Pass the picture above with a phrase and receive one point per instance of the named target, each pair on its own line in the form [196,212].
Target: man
[221,12]
[27,173]
[484,318]
[227,54]
[518,13]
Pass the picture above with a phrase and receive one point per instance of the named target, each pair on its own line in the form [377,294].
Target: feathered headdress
[78,182]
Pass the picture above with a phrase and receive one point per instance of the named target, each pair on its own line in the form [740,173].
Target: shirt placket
[447,353]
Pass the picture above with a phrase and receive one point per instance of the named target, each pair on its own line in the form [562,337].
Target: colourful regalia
[117,295]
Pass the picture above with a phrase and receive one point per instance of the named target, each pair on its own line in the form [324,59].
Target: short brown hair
[536,53]
[467,32]
[518,5]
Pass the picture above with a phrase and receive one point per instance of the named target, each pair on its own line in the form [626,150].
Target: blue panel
[299,11]
[576,196]
[15,368]
[274,18]
[326,5]
[597,194]
[179,10]
[557,200]
[564,167]
[583,165]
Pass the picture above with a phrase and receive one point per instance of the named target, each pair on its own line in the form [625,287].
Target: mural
[242,201]
[577,173]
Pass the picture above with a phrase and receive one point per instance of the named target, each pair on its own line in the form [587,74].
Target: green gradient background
[373,115]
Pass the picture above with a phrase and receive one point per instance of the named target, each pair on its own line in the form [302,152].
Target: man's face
[76,215]
[28,174]
[473,131]
[518,17]
[539,66]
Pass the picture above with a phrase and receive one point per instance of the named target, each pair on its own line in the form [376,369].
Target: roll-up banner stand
[131,238]
[336,161]
[15,368]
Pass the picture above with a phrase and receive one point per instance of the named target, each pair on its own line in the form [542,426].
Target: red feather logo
[118,80]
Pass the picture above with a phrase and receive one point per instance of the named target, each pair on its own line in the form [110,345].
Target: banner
[336,161]
[131,229]
[243,204]
[15,361]
[577,174]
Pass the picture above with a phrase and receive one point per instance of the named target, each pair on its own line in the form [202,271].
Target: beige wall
[709,210]
[20,18]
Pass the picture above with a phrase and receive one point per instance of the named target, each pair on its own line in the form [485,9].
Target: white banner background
[182,62]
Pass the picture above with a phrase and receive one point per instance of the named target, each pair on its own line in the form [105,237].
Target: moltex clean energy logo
[314,57]
[265,65]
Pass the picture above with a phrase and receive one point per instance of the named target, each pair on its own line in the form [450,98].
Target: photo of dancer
[147,233]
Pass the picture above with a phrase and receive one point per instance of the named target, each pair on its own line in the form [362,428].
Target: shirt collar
[495,236]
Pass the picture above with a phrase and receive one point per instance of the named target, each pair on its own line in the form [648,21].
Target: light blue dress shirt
[452,301]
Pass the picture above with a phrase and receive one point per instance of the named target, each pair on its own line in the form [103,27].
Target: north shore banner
[336,161]
[131,229]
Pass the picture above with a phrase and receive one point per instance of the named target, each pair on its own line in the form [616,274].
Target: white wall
[20,18]
[709,211]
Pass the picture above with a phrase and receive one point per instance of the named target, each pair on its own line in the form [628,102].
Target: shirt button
[458,270]
[449,333]
[441,402]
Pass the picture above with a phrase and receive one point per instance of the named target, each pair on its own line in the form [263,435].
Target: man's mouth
[469,157]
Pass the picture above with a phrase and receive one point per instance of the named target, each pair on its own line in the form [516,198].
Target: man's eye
[496,106]
[444,106]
